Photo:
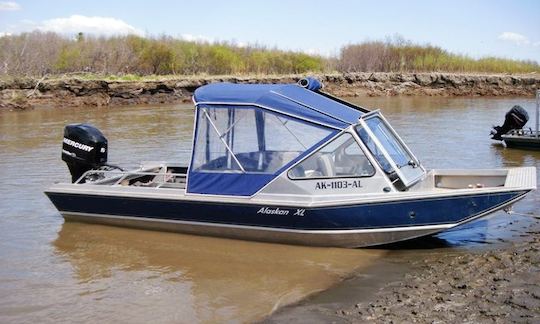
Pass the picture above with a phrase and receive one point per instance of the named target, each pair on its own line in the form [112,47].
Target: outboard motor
[515,118]
[84,148]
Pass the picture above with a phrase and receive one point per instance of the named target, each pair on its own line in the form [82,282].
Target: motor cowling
[84,148]
[515,118]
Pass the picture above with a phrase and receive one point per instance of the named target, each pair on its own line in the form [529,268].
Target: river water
[51,271]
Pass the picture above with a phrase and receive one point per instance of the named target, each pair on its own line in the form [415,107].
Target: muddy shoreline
[70,92]
[495,285]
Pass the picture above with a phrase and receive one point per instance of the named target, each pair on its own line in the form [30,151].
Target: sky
[478,28]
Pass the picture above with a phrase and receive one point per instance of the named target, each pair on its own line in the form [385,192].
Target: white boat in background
[284,163]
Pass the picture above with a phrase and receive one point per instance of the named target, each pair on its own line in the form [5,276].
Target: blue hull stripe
[418,212]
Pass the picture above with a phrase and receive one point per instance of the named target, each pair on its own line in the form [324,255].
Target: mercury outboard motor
[84,148]
[515,118]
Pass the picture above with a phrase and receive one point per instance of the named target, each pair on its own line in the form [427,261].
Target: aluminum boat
[286,163]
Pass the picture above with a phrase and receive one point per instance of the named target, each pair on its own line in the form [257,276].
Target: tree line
[45,53]
[39,53]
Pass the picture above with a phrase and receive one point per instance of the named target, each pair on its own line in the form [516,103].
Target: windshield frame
[409,173]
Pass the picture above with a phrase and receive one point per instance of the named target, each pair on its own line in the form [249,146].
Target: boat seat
[298,172]
[279,160]
[325,165]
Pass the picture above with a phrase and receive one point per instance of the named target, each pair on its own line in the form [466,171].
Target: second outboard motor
[84,148]
[515,118]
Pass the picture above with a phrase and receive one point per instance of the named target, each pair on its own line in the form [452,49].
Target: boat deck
[157,176]
[161,175]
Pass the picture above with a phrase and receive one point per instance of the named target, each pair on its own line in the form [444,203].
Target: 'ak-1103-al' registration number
[341,184]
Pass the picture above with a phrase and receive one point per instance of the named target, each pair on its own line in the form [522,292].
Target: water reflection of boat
[512,132]
[193,279]
[285,163]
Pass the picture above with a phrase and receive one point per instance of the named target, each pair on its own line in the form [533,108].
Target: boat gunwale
[367,199]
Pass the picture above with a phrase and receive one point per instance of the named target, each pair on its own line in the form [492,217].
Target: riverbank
[73,91]
[500,285]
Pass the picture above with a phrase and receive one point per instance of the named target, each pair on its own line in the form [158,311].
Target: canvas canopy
[246,135]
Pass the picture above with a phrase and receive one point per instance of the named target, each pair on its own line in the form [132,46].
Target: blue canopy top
[288,99]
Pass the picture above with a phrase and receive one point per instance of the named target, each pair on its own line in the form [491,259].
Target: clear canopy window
[342,157]
[250,139]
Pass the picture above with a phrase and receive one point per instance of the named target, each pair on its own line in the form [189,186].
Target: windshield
[389,151]
[388,141]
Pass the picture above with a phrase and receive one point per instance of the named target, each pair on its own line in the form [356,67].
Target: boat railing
[152,179]
[523,132]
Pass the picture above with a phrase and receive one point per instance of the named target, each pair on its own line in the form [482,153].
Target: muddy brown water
[51,271]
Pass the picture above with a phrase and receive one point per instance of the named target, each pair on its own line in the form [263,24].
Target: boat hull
[354,225]
[524,141]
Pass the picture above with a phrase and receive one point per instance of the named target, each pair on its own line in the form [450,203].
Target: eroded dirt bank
[500,285]
[29,93]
